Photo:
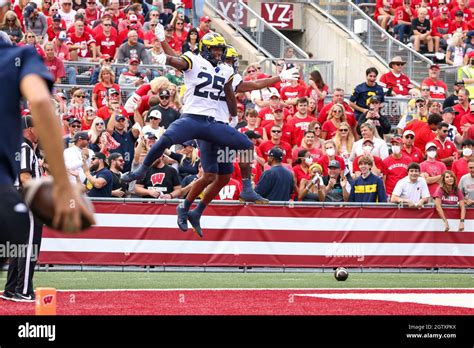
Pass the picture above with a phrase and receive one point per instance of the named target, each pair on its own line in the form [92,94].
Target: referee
[19,287]
[23,74]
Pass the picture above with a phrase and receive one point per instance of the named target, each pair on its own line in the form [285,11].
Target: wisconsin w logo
[48,299]
[227,192]
[157,179]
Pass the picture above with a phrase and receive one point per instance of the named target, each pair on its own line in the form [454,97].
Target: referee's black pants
[14,222]
[21,269]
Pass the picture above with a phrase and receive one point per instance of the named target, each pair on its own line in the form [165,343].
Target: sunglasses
[93,159]
[444,131]
[31,37]
[179,23]
[54,10]
[107,25]
[343,130]
[46,3]
[398,64]
[165,97]
[425,89]
[67,4]
[409,137]
[251,71]
[338,111]
[79,96]
[91,3]
[154,15]
[317,128]
[276,131]
[152,25]
[76,126]
[108,61]
[120,160]
[11,20]
[100,124]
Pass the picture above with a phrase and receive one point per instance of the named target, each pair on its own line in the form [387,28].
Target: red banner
[273,236]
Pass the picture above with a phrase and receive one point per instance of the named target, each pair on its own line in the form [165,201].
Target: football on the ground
[341,274]
[38,195]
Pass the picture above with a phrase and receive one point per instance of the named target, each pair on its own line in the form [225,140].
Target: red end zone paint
[238,302]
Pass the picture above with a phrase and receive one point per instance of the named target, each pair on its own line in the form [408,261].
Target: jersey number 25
[217,84]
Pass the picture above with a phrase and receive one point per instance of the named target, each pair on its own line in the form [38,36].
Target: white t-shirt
[73,162]
[466,184]
[204,85]
[67,17]
[414,191]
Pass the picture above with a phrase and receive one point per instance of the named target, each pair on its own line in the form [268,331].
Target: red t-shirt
[454,26]
[401,15]
[324,162]
[445,150]
[416,154]
[457,120]
[101,92]
[144,104]
[104,112]
[330,129]
[438,26]
[300,174]
[62,52]
[298,127]
[267,145]
[438,89]
[107,44]
[85,39]
[460,168]
[398,84]
[292,92]
[467,14]
[316,154]
[98,30]
[180,39]
[231,191]
[452,198]
[286,131]
[92,16]
[466,118]
[310,92]
[394,170]
[85,126]
[323,115]
[423,133]
[54,33]
[123,36]
[266,115]
[55,67]
[434,168]
[149,36]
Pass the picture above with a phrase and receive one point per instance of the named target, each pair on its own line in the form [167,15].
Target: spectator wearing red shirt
[179,34]
[278,120]
[467,119]
[460,166]
[408,149]
[55,28]
[150,37]
[446,149]
[300,122]
[81,44]
[132,19]
[303,161]
[402,21]
[317,89]
[123,34]
[438,89]
[117,13]
[275,141]
[440,28]
[330,155]
[106,82]
[462,107]
[395,80]
[377,163]
[77,104]
[449,193]
[335,118]
[30,40]
[462,10]
[54,65]
[309,143]
[170,40]
[251,116]
[431,169]
[204,26]
[107,38]
[458,24]
[113,105]
[92,13]
[383,13]
[395,166]
[266,114]
[337,98]
[424,131]
[290,95]
[89,116]
[60,49]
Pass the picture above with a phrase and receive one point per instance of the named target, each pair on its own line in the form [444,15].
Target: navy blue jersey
[15,64]
[105,191]
[276,184]
[362,94]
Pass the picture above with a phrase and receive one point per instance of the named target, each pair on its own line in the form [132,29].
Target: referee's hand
[71,214]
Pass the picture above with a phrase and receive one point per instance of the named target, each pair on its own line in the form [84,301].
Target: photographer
[380,122]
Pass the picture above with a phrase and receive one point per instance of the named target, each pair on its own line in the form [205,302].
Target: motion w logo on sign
[279,15]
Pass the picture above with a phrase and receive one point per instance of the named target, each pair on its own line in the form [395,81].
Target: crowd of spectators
[311,143]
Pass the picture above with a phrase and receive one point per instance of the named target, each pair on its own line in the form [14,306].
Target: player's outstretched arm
[67,202]
[286,74]
[170,57]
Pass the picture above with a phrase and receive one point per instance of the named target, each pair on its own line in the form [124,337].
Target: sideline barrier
[291,235]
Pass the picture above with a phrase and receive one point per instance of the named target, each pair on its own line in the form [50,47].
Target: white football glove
[289,74]
[160,32]
[161,59]
[234,121]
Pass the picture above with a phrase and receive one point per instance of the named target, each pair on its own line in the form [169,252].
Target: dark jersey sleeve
[30,62]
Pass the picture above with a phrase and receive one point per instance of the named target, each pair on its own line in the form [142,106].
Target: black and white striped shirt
[29,162]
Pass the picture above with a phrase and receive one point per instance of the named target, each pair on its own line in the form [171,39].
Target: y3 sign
[279,15]
[228,7]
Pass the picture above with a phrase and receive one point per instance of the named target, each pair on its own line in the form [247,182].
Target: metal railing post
[237,13]
[349,24]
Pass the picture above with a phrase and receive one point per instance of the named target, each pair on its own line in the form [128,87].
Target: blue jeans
[71,75]
[401,30]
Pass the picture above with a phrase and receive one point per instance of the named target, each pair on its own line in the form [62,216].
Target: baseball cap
[444,10]
[112,91]
[27,122]
[397,140]
[133,18]
[459,13]
[375,99]
[190,143]
[274,94]
[56,17]
[367,141]
[73,120]
[450,110]
[240,106]
[435,67]
[165,93]
[252,135]
[334,164]
[151,135]
[81,136]
[407,132]
[62,35]
[459,82]
[155,114]
[430,144]
[133,61]
[420,99]
[120,117]
[470,54]
[205,19]
[276,153]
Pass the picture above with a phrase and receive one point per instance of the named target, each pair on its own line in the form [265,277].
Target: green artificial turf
[173,280]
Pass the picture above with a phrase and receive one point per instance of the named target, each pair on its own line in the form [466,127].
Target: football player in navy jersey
[23,74]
